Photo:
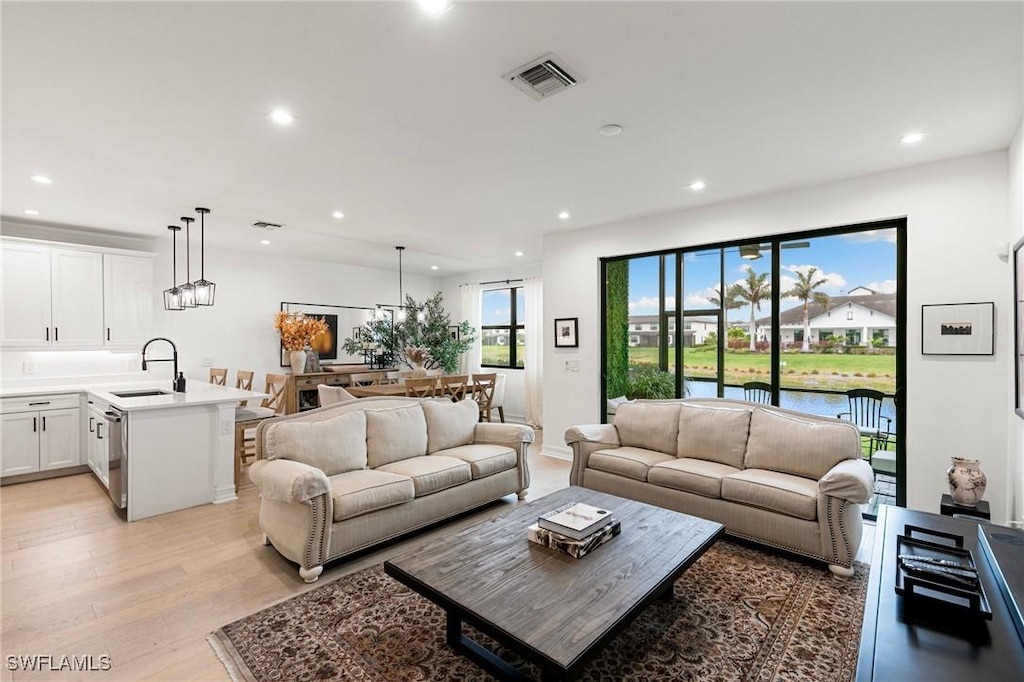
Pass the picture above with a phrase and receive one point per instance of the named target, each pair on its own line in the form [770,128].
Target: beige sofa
[783,478]
[341,478]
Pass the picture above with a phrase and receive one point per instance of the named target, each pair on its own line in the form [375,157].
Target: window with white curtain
[503,328]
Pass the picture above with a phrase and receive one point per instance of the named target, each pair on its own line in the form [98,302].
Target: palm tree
[731,303]
[754,289]
[804,290]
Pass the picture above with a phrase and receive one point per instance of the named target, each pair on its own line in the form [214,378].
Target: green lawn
[498,355]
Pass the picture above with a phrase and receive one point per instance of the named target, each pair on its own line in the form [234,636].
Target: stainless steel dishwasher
[117,456]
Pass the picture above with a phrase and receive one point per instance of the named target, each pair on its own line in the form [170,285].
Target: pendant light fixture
[400,314]
[172,296]
[205,290]
[188,290]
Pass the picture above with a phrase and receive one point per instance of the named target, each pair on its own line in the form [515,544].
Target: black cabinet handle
[44,423]
[56,334]
[44,402]
[33,424]
[92,428]
[47,333]
[99,434]
[108,333]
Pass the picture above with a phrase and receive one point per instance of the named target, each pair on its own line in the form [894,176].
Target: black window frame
[512,328]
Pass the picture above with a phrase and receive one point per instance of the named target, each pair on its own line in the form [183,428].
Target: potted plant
[297,333]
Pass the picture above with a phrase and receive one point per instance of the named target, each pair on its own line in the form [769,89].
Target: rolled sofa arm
[850,480]
[585,439]
[516,436]
[286,481]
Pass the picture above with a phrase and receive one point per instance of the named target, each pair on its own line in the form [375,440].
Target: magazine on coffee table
[574,548]
[577,521]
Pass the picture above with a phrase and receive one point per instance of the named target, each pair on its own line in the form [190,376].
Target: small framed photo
[455,332]
[958,329]
[567,331]
[357,333]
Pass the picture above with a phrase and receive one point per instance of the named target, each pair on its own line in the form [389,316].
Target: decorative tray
[939,573]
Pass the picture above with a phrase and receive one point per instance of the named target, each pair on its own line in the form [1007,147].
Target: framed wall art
[1018,326]
[567,331]
[958,329]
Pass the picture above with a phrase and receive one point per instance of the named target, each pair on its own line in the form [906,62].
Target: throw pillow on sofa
[334,445]
[449,424]
[780,442]
[394,435]
[712,433]
[652,426]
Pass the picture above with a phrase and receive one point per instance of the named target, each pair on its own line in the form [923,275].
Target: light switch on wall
[28,367]
[572,365]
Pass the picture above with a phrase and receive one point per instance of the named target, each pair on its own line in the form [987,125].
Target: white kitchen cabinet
[127,299]
[39,434]
[52,297]
[96,447]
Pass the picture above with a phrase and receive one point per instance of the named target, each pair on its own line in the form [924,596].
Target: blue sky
[496,306]
[849,260]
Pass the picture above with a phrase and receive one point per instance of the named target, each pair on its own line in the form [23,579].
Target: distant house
[858,318]
[644,331]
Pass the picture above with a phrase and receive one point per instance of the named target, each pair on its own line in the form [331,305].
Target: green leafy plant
[426,326]
[649,382]
[617,328]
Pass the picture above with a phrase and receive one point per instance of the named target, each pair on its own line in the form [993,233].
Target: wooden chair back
[219,376]
[483,392]
[454,386]
[757,392]
[421,388]
[276,387]
[366,378]
[243,379]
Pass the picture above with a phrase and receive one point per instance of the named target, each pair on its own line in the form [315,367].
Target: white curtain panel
[469,363]
[533,293]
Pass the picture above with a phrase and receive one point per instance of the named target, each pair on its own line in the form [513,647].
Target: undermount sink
[141,393]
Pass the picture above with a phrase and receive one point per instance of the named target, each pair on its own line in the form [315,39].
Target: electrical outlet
[226,427]
[207,362]
[28,367]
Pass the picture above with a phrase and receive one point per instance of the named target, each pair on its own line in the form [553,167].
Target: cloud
[502,313]
[648,305]
[835,285]
[868,236]
[886,287]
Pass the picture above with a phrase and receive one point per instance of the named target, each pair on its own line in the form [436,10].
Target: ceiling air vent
[542,77]
[270,227]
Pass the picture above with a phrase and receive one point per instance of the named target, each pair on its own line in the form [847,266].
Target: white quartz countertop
[197,393]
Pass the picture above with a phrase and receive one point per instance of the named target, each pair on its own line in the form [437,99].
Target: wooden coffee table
[553,610]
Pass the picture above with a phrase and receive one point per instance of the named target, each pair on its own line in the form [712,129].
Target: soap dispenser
[179,383]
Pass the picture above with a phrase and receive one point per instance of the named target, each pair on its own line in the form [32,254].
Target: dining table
[372,391]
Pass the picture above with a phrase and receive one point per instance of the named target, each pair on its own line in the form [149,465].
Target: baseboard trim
[556,452]
[224,493]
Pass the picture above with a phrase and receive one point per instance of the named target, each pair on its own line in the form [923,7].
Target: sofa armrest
[287,481]
[605,434]
[850,480]
[496,433]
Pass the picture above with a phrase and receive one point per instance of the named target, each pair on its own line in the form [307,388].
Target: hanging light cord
[202,248]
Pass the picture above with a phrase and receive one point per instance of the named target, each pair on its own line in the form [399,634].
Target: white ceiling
[141,111]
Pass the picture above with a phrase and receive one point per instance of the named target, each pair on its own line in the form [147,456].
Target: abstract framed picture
[1018,326]
[958,329]
[455,332]
[567,331]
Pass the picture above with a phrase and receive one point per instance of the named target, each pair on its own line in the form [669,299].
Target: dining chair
[454,386]
[331,395]
[866,412]
[243,380]
[392,377]
[498,399]
[483,392]
[366,378]
[247,418]
[219,376]
[757,392]
[426,387]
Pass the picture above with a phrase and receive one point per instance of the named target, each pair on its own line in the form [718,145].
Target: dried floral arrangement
[416,355]
[298,329]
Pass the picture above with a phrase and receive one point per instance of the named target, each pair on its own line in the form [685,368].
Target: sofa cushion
[393,435]
[783,493]
[484,460]
[431,473]
[697,476]
[651,426]
[449,424]
[367,490]
[802,447]
[718,434]
[334,445]
[627,461]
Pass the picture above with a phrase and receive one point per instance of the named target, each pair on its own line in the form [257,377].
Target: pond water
[824,404]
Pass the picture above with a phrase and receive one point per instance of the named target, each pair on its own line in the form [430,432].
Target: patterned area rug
[739,613]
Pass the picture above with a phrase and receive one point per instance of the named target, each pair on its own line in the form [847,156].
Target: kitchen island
[179,446]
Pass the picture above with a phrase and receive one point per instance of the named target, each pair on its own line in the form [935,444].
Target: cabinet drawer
[337,380]
[39,402]
[306,382]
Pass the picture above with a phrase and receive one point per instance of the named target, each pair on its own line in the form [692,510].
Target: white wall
[515,402]
[957,212]
[1015,481]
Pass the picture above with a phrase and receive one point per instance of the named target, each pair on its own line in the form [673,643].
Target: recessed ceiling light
[43,179]
[281,117]
[518,253]
[697,185]
[564,215]
[31,211]
[433,267]
[912,138]
[338,215]
[434,8]
[610,130]
[265,242]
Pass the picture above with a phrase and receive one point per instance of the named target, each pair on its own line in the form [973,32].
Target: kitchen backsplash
[59,367]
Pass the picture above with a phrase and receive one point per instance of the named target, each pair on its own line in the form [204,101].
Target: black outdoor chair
[758,392]
[866,413]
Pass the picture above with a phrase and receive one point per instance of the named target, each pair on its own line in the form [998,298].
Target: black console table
[899,643]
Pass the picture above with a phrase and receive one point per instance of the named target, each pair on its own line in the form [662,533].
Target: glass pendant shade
[188,295]
[172,296]
[205,290]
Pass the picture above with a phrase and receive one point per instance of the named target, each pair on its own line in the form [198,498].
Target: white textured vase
[966,481]
[418,372]
[298,361]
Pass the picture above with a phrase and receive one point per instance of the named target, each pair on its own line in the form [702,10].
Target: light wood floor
[76,579]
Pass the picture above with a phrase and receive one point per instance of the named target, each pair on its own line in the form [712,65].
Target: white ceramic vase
[966,481]
[418,372]
[298,361]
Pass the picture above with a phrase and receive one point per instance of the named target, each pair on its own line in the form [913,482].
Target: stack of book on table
[575,529]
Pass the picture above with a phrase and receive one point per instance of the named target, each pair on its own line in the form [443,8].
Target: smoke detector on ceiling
[543,77]
[269,227]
